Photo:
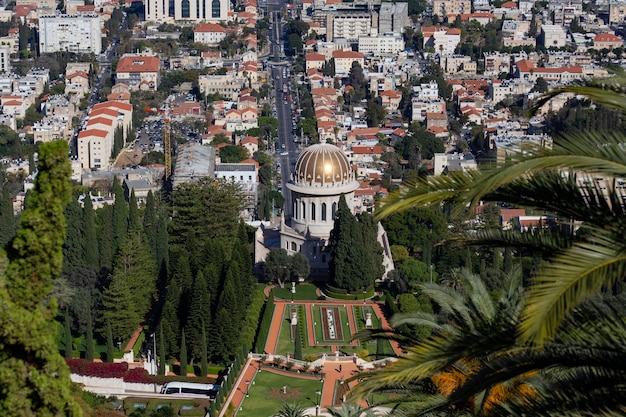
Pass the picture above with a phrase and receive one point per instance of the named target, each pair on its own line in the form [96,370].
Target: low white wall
[112,386]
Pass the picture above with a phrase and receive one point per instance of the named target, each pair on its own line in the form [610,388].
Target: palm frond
[573,275]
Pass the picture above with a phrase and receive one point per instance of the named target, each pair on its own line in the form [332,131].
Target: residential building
[78,33]
[193,162]
[5,59]
[617,11]
[94,148]
[345,59]
[139,72]
[443,40]
[246,175]
[202,10]
[607,41]
[501,89]
[157,10]
[209,34]
[421,107]
[526,70]
[228,86]
[387,43]
[443,8]
[496,63]
[458,64]
[553,36]
[453,162]
[77,83]
[390,100]
[393,17]
[349,26]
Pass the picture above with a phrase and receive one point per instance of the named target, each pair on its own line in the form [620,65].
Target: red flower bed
[138,375]
[97,369]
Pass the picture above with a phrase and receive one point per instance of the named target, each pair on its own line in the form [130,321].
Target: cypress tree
[134,222]
[106,237]
[199,313]
[161,351]
[119,305]
[92,256]
[204,366]
[341,245]
[297,349]
[73,248]
[150,223]
[183,355]
[7,217]
[69,351]
[109,342]
[33,261]
[161,245]
[120,217]
[169,319]
[89,353]
[32,167]
[373,250]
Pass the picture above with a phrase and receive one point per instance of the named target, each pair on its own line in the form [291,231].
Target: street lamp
[431,273]
[317,405]
[154,364]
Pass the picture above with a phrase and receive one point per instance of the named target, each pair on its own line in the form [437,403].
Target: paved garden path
[277,320]
[133,339]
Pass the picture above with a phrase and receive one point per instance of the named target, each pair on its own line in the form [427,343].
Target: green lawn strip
[265,398]
[317,324]
[193,406]
[285,344]
[304,292]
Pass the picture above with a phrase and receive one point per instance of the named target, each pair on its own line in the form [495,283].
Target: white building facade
[78,33]
[388,43]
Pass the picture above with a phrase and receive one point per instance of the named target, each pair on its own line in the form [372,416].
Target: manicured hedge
[97,369]
[264,327]
[121,370]
[342,294]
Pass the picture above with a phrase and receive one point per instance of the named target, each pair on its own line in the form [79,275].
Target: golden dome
[323,164]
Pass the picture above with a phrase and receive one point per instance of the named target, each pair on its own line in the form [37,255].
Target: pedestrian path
[277,318]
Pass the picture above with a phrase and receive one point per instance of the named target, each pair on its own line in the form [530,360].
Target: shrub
[120,370]
[97,369]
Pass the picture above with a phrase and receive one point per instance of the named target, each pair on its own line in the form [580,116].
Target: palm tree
[554,356]
[291,410]
[471,329]
[551,181]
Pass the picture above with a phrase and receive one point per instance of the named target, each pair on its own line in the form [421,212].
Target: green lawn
[266,397]
[306,292]
[286,345]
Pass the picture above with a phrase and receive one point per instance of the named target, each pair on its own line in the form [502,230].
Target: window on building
[216,9]
[334,210]
[303,211]
[323,212]
[312,211]
[293,246]
[185,9]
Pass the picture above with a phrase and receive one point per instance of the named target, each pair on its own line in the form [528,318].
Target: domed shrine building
[322,173]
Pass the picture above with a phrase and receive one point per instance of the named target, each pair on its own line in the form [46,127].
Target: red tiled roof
[101,120]
[607,37]
[138,64]
[347,55]
[314,56]
[93,132]
[367,150]
[209,27]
